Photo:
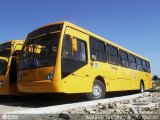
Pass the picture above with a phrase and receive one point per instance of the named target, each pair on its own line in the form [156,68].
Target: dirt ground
[145,107]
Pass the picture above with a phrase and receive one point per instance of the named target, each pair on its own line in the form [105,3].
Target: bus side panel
[75,74]
[135,80]
[125,77]
[149,80]
[113,83]
[145,77]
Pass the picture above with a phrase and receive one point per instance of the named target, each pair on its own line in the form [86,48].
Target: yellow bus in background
[64,58]
[9,57]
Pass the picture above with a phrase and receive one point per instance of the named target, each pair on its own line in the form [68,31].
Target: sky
[133,24]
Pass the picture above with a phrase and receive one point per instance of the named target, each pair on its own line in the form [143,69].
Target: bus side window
[132,62]
[79,55]
[67,48]
[144,66]
[123,58]
[148,67]
[112,54]
[3,67]
[139,64]
[97,50]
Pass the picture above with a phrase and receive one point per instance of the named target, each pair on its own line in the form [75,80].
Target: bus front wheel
[98,91]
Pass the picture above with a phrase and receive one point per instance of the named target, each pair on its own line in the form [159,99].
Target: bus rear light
[49,76]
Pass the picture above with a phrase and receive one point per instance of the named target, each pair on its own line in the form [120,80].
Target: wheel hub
[97,91]
[142,88]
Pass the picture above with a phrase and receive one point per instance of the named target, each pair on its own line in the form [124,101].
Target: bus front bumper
[40,86]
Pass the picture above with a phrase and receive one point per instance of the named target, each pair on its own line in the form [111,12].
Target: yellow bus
[64,58]
[9,54]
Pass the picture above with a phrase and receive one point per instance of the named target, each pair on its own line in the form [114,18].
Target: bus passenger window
[79,55]
[144,66]
[132,62]
[123,58]
[97,49]
[112,54]
[148,67]
[3,67]
[139,64]
[67,47]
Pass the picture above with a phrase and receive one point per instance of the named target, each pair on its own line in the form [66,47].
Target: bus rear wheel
[98,91]
[142,88]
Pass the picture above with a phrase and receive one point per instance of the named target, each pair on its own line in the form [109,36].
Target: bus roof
[66,23]
[13,41]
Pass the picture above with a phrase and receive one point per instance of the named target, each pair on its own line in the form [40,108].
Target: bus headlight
[1,83]
[49,76]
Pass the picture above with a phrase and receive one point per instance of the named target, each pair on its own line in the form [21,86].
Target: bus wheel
[98,91]
[142,88]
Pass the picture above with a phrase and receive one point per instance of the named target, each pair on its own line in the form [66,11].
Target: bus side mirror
[74,44]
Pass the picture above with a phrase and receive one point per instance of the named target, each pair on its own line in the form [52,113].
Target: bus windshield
[40,51]
[3,66]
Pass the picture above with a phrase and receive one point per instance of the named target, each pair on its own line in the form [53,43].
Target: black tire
[97,86]
[142,88]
